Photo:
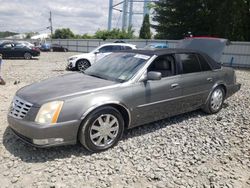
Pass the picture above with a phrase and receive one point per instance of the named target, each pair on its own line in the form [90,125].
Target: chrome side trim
[162,101]
[107,103]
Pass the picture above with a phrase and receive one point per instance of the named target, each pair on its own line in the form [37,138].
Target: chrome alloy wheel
[216,99]
[104,130]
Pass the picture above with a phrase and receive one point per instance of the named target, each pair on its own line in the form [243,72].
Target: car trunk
[213,47]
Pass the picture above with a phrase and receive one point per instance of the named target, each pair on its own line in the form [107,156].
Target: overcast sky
[81,16]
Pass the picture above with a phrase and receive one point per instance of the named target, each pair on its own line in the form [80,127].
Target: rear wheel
[27,55]
[215,101]
[102,129]
[82,64]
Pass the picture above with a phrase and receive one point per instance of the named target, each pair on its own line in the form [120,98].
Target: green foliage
[114,34]
[225,18]
[64,33]
[145,28]
[4,34]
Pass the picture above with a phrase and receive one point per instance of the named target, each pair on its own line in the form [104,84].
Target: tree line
[225,18]
[66,33]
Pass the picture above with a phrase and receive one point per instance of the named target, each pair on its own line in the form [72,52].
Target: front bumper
[45,135]
[233,89]
[70,66]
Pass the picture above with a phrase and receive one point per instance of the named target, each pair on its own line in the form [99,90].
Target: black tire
[87,131]
[82,64]
[209,107]
[27,55]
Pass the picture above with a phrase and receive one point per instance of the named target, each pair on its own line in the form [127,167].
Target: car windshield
[119,67]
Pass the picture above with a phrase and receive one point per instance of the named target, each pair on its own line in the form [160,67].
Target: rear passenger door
[196,81]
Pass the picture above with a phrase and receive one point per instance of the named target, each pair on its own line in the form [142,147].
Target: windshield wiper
[94,75]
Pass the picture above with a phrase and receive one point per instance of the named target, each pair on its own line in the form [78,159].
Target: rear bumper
[45,135]
[233,89]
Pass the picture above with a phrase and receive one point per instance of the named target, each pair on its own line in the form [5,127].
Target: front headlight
[49,112]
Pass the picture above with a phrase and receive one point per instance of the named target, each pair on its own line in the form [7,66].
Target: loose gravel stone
[189,150]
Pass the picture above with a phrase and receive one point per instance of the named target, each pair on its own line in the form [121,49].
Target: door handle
[173,86]
[210,79]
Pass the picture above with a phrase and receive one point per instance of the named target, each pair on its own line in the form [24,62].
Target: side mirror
[97,52]
[153,75]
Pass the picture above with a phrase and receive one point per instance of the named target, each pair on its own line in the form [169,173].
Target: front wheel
[102,129]
[27,55]
[82,65]
[215,101]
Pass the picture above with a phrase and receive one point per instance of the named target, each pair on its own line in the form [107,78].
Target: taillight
[36,49]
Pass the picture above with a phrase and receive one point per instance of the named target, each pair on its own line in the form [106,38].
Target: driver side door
[157,99]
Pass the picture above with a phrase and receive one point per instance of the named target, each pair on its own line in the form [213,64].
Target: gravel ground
[190,150]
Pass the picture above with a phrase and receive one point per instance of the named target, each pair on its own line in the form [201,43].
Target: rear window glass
[189,63]
[204,64]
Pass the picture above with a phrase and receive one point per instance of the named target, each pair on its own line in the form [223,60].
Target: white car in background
[83,61]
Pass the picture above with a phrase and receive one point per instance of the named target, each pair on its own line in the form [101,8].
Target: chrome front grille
[19,108]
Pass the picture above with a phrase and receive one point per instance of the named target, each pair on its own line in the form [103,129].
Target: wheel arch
[115,104]
[219,84]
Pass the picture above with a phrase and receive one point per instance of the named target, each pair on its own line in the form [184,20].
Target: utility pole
[50,21]
[125,15]
[110,14]
[130,13]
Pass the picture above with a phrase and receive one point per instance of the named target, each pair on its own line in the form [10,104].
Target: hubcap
[104,130]
[83,65]
[27,56]
[216,99]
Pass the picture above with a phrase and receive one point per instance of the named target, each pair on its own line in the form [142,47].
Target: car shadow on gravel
[30,154]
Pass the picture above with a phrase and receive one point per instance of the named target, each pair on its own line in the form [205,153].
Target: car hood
[213,47]
[83,55]
[61,87]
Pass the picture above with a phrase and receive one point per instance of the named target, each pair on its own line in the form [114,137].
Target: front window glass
[105,49]
[118,67]
[19,45]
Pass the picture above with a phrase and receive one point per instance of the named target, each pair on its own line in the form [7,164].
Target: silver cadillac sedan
[121,91]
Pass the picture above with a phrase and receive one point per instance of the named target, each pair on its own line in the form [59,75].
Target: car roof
[118,44]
